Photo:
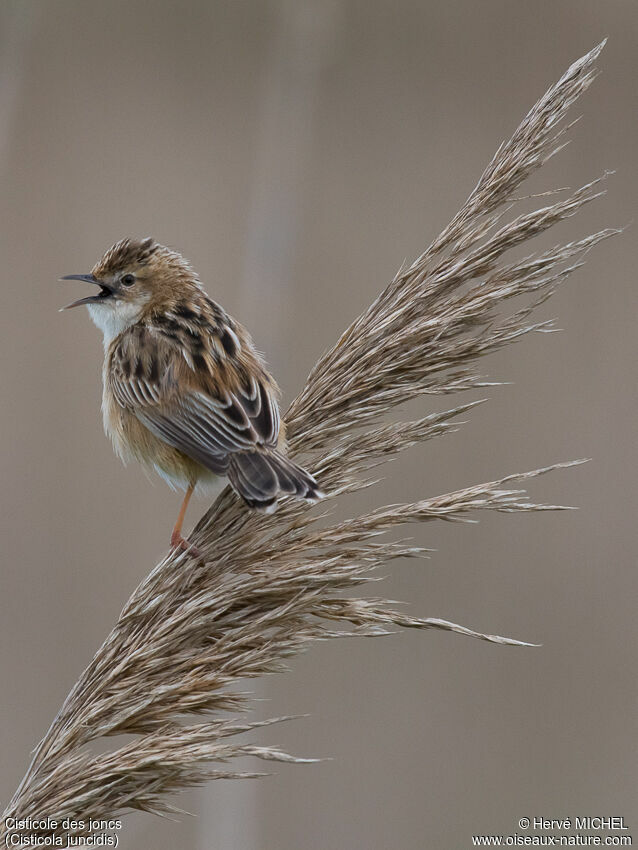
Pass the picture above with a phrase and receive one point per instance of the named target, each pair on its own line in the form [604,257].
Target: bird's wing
[206,397]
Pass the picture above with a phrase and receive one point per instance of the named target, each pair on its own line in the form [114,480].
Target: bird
[185,392]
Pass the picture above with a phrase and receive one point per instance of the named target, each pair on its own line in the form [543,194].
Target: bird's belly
[132,440]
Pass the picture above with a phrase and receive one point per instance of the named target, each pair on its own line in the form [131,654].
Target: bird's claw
[182,544]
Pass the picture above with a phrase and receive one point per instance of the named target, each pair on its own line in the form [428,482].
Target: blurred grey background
[296,151]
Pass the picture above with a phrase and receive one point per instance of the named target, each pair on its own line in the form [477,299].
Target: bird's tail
[261,476]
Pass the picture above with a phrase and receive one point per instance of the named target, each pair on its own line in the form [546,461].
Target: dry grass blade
[269,585]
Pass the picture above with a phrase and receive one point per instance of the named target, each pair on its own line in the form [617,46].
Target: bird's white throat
[113,317]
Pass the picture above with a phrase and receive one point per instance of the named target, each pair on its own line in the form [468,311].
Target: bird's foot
[181,543]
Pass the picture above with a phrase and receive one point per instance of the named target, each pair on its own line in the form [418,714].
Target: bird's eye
[128,280]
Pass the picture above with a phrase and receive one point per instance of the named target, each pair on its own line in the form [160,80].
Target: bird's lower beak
[106,291]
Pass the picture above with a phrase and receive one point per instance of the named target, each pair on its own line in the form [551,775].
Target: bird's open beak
[106,291]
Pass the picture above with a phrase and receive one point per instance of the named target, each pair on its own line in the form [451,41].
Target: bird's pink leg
[177,541]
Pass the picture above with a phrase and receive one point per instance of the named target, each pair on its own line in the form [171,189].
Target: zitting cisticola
[185,391]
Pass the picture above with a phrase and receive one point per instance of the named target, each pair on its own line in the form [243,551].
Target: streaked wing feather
[150,377]
[187,440]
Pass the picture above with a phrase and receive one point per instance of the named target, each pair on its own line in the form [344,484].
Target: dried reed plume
[269,585]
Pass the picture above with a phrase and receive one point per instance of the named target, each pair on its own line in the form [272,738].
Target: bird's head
[133,276]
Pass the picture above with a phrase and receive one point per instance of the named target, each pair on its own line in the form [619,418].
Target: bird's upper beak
[106,290]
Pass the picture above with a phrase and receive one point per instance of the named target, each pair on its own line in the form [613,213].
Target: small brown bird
[185,392]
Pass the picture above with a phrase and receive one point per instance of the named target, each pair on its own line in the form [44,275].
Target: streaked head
[131,275]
